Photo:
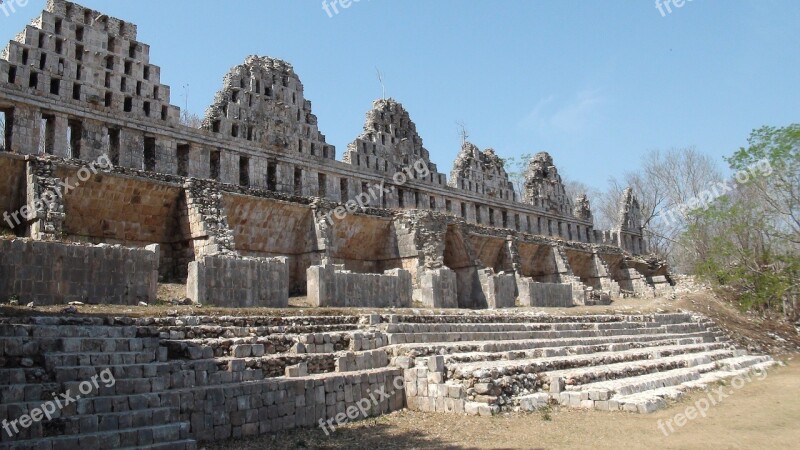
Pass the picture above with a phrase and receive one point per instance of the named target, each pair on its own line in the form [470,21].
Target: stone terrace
[183,380]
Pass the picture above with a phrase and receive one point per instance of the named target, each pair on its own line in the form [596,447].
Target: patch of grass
[547,413]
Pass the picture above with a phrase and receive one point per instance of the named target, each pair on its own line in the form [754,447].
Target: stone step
[573,371]
[618,373]
[500,384]
[27,392]
[503,327]
[132,437]
[427,349]
[403,338]
[34,346]
[66,331]
[24,375]
[119,372]
[215,332]
[247,321]
[649,393]
[512,317]
[732,367]
[70,425]
[53,360]
[186,444]
[581,356]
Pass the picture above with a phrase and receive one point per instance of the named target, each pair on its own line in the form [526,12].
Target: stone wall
[331,285]
[269,406]
[239,282]
[439,288]
[47,273]
[536,294]
[499,290]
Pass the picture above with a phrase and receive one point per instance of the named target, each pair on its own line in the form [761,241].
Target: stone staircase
[463,364]
[168,383]
[107,382]
[171,382]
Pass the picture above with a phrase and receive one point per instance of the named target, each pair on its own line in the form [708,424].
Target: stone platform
[178,381]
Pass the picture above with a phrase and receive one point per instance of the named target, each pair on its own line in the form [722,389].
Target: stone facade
[258,178]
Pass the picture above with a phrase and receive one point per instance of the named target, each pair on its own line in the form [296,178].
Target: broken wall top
[261,100]
[482,172]
[543,185]
[389,141]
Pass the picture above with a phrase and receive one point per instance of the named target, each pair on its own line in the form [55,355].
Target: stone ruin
[258,184]
[246,210]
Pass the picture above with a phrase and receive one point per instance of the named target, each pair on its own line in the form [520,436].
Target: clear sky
[595,83]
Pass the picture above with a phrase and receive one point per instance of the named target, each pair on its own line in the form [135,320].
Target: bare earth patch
[762,414]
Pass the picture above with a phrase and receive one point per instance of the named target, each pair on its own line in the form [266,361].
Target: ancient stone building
[259,184]
[108,193]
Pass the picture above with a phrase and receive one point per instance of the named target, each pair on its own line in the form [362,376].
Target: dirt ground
[763,414]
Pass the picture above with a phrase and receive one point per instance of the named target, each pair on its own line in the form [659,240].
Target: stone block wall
[270,406]
[48,273]
[635,283]
[536,294]
[661,285]
[239,282]
[331,285]
[498,289]
[439,288]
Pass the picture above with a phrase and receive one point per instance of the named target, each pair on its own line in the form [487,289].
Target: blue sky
[595,83]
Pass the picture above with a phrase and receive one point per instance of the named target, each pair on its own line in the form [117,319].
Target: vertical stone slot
[322,182]
[343,190]
[7,123]
[183,159]
[47,134]
[149,155]
[114,145]
[214,163]
[272,176]
[244,171]
[298,181]
[74,137]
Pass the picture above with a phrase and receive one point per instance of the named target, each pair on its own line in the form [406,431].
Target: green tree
[748,243]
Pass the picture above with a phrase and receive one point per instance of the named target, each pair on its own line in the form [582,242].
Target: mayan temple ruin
[106,194]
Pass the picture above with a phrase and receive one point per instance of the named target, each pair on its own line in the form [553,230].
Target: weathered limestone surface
[233,282]
[498,289]
[332,285]
[482,172]
[438,288]
[48,273]
[536,294]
